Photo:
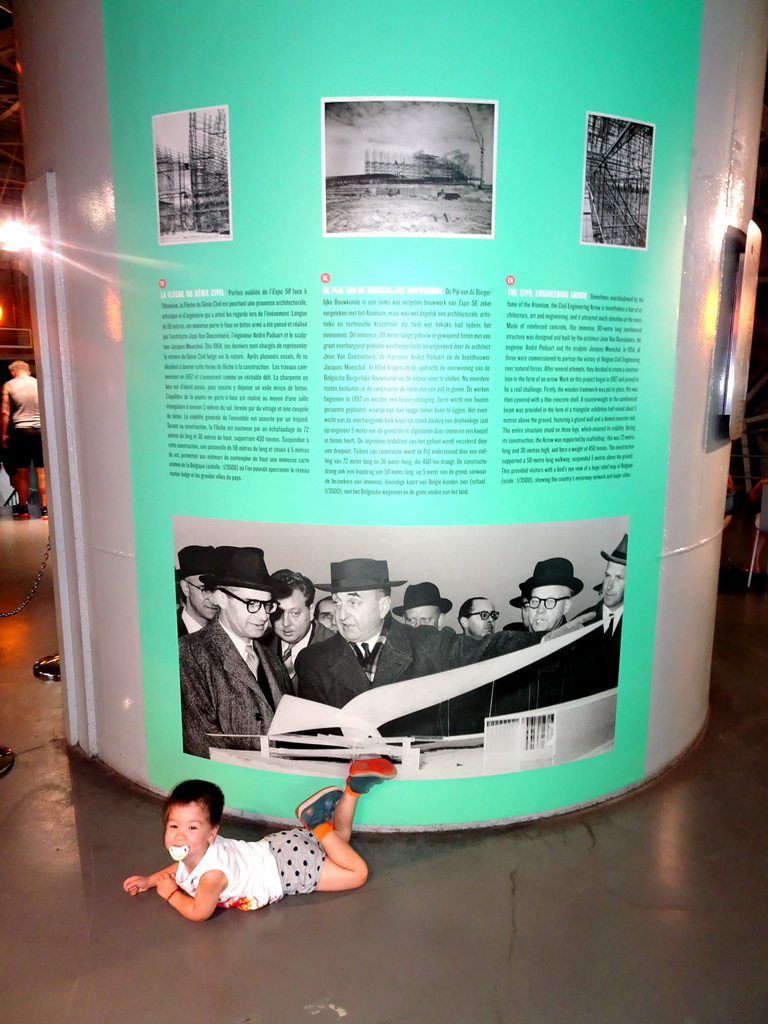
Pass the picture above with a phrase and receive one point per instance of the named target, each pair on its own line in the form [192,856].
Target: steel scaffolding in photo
[193,187]
[209,170]
[617,181]
[416,166]
[173,191]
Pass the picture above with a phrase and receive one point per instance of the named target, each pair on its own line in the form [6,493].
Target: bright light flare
[113,321]
[711,306]
[16,236]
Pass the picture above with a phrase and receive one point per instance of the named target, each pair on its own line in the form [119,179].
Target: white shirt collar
[241,643]
[299,645]
[371,641]
[192,624]
[612,613]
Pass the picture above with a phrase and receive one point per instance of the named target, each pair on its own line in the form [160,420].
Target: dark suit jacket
[331,674]
[318,633]
[604,652]
[531,687]
[219,693]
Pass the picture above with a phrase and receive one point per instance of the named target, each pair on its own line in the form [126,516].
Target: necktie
[368,658]
[611,622]
[288,660]
[253,661]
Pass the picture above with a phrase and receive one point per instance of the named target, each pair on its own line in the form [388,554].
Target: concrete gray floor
[651,909]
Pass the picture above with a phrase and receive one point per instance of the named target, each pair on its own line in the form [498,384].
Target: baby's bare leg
[343,867]
[328,815]
[344,815]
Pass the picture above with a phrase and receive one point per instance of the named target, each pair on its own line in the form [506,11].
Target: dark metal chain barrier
[35,585]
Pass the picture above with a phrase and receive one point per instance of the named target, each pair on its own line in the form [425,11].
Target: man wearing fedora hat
[372,649]
[606,643]
[548,594]
[545,598]
[197,609]
[230,686]
[423,606]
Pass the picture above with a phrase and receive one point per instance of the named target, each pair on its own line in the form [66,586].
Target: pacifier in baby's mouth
[178,852]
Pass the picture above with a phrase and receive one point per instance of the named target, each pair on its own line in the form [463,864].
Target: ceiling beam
[5,152]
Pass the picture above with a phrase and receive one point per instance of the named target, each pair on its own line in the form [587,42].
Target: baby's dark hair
[196,791]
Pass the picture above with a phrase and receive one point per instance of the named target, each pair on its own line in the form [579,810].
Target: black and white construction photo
[456,651]
[408,167]
[192,175]
[617,182]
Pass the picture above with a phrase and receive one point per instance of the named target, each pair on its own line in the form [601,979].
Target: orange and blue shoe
[319,808]
[369,772]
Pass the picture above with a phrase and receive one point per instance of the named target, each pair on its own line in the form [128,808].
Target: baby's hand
[136,884]
[166,884]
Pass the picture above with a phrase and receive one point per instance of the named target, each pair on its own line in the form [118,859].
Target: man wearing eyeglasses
[197,608]
[549,594]
[545,599]
[477,617]
[230,686]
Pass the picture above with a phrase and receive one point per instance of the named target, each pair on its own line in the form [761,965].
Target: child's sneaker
[369,772]
[43,511]
[318,809]
[21,512]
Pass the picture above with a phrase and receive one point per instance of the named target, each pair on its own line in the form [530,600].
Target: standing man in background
[325,614]
[22,436]
[606,643]
[198,607]
[423,606]
[477,617]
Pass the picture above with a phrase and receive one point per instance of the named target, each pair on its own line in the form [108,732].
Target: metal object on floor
[761,528]
[48,667]
[35,585]
[7,759]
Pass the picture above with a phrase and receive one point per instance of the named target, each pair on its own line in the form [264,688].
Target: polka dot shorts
[299,859]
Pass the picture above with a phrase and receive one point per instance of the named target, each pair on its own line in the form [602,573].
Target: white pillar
[63,88]
[64,94]
[726,137]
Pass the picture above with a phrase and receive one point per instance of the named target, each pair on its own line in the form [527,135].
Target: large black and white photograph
[408,167]
[616,196]
[194,201]
[456,651]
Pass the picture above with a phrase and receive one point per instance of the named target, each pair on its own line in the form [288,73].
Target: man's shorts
[25,445]
[299,859]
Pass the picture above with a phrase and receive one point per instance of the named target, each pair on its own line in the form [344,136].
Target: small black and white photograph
[194,202]
[408,167]
[618,162]
[455,651]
